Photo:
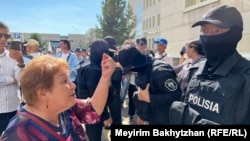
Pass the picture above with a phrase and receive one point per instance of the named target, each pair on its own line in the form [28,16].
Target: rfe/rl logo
[17,35]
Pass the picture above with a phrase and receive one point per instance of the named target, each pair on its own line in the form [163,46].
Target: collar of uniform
[229,63]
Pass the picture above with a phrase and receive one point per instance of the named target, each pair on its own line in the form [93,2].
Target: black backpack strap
[29,56]
[162,56]
[82,62]
[68,56]
[60,55]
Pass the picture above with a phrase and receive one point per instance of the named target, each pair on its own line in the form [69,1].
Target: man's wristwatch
[21,66]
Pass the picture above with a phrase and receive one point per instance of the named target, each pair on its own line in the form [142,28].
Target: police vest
[218,98]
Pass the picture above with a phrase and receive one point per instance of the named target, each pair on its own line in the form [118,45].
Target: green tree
[117,20]
[37,37]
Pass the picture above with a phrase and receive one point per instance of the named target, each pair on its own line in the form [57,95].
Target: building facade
[76,40]
[173,20]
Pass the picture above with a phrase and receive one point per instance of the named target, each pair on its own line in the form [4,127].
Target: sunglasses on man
[142,44]
[6,36]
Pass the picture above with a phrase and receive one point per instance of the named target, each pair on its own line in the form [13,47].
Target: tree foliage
[37,37]
[117,20]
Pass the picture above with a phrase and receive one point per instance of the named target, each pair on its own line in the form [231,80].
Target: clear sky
[50,16]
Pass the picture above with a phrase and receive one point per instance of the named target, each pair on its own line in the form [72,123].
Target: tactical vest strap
[29,56]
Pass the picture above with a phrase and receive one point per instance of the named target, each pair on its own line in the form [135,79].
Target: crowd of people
[60,92]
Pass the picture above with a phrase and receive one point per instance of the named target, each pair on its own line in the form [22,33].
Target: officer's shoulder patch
[171,85]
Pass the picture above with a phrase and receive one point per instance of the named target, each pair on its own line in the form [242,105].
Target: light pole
[77,30]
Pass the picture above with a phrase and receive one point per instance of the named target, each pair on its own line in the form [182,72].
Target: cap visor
[112,50]
[215,22]
[199,23]
[157,42]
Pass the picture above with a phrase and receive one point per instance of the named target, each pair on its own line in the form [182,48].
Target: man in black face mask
[218,92]
[157,85]
[115,85]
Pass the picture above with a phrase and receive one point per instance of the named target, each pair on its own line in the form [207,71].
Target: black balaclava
[97,48]
[140,63]
[132,59]
[218,47]
[112,45]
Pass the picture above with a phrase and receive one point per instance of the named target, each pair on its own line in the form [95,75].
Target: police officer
[157,84]
[114,103]
[88,78]
[218,92]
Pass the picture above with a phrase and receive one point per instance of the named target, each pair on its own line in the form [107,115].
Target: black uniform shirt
[164,89]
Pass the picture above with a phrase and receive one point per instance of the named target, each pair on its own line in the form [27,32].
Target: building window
[144,4]
[153,22]
[144,25]
[149,22]
[149,43]
[158,19]
[189,3]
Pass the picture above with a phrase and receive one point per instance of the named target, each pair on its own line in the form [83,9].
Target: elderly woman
[52,111]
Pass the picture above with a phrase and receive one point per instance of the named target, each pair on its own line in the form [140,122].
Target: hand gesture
[139,121]
[108,65]
[143,95]
[16,55]
[108,121]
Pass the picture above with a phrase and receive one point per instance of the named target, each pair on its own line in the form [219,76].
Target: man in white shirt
[11,65]
[70,57]
[161,50]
